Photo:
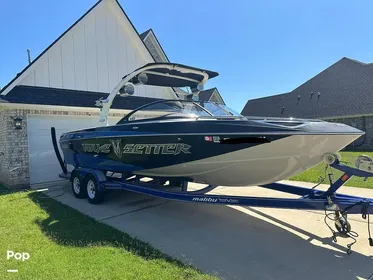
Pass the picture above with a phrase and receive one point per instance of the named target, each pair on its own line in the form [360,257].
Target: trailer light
[345,177]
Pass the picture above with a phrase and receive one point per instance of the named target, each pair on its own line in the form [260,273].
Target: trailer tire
[77,185]
[94,195]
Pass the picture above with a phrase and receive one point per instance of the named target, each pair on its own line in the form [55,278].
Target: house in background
[154,47]
[59,88]
[212,95]
[341,93]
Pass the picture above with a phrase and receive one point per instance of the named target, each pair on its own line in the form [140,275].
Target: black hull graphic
[139,153]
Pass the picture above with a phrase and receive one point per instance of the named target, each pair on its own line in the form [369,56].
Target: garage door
[44,166]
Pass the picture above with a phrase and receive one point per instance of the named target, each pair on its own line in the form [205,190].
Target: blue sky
[259,48]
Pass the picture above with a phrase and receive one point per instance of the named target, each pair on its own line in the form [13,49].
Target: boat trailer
[93,183]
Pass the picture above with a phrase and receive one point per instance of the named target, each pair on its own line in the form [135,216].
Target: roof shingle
[74,98]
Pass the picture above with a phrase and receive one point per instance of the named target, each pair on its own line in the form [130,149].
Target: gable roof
[21,75]
[51,45]
[343,89]
[155,48]
[144,34]
[206,95]
[72,98]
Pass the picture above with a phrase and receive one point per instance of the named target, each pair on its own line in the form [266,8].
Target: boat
[195,141]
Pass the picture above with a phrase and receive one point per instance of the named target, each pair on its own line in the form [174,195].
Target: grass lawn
[313,174]
[65,244]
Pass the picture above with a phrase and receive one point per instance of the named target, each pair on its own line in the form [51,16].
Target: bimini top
[170,75]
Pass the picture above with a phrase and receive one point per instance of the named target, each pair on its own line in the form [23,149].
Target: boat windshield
[178,109]
[167,108]
[218,109]
[233,112]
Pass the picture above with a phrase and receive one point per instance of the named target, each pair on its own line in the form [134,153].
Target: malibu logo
[215,200]
[205,199]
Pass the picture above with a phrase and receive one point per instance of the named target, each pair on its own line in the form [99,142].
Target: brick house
[59,88]
[342,93]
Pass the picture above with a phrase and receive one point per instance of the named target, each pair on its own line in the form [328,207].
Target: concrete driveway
[236,242]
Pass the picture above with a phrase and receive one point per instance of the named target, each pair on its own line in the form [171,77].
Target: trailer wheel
[77,185]
[95,196]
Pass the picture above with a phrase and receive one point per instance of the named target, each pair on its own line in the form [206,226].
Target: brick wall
[3,148]
[14,160]
[364,123]
[16,153]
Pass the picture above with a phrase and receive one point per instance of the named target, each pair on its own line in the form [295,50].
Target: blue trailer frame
[310,199]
